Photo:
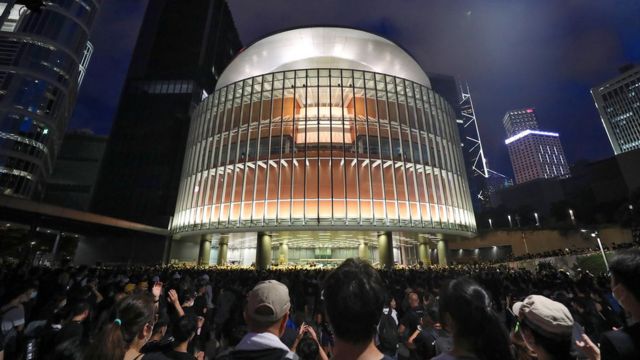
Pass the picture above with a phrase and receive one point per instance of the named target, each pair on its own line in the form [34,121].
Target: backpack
[388,333]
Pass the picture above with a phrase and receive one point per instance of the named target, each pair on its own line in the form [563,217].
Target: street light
[510,222]
[535,214]
[573,218]
[490,224]
[595,234]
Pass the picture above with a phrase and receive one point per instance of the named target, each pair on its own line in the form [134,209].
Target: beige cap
[544,315]
[268,301]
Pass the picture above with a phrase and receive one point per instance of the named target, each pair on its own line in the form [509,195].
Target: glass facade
[324,147]
[40,68]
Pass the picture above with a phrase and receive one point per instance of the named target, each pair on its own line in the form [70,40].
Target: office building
[324,143]
[43,56]
[517,121]
[618,102]
[74,176]
[182,47]
[534,154]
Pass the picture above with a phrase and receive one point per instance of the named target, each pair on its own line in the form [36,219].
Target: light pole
[595,234]
[604,257]
[573,218]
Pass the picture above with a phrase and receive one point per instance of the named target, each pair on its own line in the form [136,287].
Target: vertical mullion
[403,160]
[235,161]
[433,159]
[246,154]
[212,163]
[393,172]
[410,85]
[280,159]
[222,113]
[258,151]
[382,176]
[369,165]
[355,123]
[268,169]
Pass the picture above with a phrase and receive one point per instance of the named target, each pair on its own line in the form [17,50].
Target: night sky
[545,54]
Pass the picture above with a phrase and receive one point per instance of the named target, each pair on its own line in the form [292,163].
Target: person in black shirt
[74,329]
[625,343]
[183,332]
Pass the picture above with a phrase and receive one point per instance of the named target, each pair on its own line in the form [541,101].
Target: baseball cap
[268,301]
[545,316]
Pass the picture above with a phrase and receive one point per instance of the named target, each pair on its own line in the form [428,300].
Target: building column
[263,251]
[166,254]
[205,249]
[283,253]
[385,250]
[423,251]
[442,252]
[223,247]
[363,250]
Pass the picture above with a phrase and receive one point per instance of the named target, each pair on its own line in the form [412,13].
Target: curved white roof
[323,47]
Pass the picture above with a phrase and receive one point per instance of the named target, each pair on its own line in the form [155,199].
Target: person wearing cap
[266,315]
[546,326]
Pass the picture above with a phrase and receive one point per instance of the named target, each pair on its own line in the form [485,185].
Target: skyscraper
[516,121]
[182,47]
[534,154]
[618,102]
[43,56]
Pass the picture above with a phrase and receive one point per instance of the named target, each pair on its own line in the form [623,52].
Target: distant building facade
[43,56]
[517,121]
[175,65]
[618,102]
[74,176]
[534,154]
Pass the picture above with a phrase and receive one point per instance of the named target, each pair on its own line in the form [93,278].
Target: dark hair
[72,349]
[354,297]
[469,305]
[163,321]
[128,317]
[625,268]
[307,349]
[78,308]
[558,348]
[184,328]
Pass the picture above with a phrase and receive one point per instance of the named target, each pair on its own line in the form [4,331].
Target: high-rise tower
[182,47]
[43,56]
[534,154]
[618,102]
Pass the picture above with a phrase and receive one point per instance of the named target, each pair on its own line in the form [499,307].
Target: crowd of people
[573,251]
[351,312]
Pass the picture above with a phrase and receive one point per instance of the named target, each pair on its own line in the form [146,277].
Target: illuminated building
[618,102]
[534,154]
[43,57]
[323,143]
